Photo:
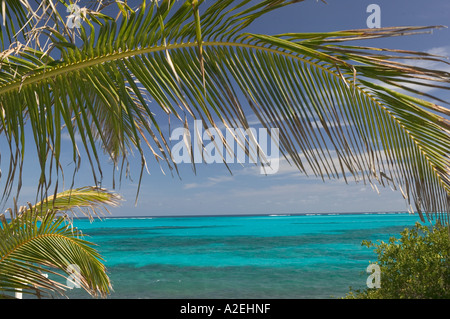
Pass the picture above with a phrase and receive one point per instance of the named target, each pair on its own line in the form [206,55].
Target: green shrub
[416,266]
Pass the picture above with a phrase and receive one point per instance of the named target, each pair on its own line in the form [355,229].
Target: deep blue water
[298,256]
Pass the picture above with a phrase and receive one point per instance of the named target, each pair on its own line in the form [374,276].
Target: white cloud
[441,53]
[211,181]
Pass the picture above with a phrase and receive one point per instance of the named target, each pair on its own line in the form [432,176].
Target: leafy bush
[416,266]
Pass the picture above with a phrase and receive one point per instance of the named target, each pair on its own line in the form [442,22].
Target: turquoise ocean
[267,256]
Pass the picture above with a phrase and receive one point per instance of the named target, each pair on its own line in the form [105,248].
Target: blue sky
[213,190]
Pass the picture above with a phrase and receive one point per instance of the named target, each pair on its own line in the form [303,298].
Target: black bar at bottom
[228,308]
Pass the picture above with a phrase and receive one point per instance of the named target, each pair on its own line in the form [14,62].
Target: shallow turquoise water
[299,256]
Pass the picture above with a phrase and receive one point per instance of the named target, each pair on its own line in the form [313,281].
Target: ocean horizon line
[104,217]
[250,215]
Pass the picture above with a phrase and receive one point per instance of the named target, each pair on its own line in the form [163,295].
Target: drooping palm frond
[325,96]
[14,19]
[39,243]
[89,201]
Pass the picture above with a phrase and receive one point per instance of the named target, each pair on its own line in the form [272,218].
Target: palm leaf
[321,93]
[14,19]
[89,201]
[42,243]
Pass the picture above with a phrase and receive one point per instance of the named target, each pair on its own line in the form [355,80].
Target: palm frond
[325,96]
[14,17]
[43,243]
[89,201]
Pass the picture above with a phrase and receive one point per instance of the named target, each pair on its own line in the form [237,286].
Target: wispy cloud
[442,52]
[211,181]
